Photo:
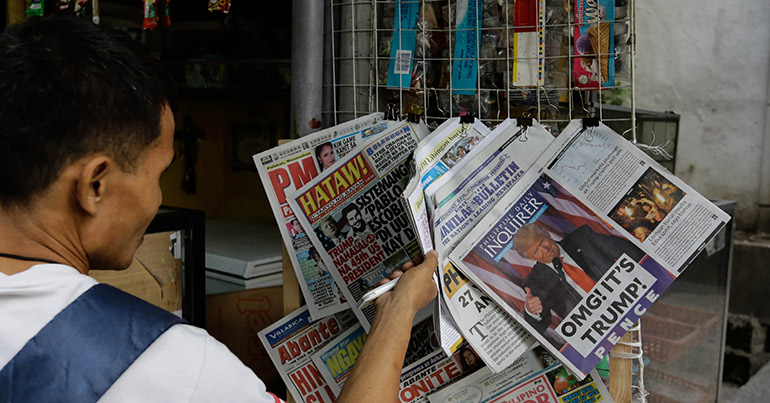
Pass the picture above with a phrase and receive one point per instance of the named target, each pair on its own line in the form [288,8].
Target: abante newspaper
[585,242]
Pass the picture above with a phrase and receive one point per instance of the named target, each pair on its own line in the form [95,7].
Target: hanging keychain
[220,5]
[150,21]
[35,8]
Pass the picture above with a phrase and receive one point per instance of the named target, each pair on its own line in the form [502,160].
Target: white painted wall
[709,61]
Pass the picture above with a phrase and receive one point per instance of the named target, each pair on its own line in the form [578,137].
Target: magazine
[589,237]
[354,216]
[291,341]
[535,377]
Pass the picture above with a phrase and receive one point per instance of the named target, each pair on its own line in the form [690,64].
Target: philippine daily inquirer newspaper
[462,198]
[354,217]
[589,237]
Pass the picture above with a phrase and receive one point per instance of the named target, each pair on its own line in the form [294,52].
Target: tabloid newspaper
[535,377]
[597,208]
[355,218]
[336,359]
[293,339]
[291,165]
[463,197]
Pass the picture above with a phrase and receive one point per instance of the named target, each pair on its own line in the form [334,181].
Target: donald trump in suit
[566,270]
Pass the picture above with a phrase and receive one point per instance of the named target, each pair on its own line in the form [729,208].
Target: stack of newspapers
[550,249]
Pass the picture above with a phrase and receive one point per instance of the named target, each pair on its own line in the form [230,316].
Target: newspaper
[535,377]
[452,142]
[599,209]
[355,218]
[289,166]
[336,359]
[462,198]
[290,343]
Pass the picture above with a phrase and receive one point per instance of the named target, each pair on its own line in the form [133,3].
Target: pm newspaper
[462,198]
[289,166]
[354,216]
[579,248]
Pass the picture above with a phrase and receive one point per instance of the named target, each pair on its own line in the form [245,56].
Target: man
[329,233]
[86,130]
[356,222]
[565,271]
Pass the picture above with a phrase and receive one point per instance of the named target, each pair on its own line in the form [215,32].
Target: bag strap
[80,353]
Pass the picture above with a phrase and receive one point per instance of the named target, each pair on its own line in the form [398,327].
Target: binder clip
[466,120]
[524,124]
[590,124]
[392,113]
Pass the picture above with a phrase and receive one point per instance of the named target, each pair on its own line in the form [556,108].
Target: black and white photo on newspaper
[556,254]
[354,216]
[289,166]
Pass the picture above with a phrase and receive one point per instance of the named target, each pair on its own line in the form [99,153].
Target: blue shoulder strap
[80,353]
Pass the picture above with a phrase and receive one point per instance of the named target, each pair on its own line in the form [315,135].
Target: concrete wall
[709,61]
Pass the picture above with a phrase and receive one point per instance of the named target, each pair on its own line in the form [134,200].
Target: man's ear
[91,185]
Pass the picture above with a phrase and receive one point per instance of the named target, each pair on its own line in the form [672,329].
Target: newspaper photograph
[551,255]
[535,377]
[291,342]
[289,166]
[355,218]
[462,197]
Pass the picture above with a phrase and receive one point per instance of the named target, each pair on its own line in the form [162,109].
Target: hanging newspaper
[291,165]
[536,377]
[462,198]
[453,141]
[292,340]
[433,371]
[335,360]
[595,207]
[355,218]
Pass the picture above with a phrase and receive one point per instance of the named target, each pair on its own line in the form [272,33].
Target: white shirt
[185,364]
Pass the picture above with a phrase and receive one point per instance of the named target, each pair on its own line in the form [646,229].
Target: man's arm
[377,372]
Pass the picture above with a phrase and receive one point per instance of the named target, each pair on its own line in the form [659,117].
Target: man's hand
[533,304]
[416,287]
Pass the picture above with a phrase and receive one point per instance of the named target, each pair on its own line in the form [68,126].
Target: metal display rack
[363,31]
[360,35]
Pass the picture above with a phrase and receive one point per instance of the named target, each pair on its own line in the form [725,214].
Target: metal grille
[363,31]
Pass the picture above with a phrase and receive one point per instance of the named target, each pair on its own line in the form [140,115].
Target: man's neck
[40,237]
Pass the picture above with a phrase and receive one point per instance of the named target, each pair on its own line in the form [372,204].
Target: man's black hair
[350,207]
[71,88]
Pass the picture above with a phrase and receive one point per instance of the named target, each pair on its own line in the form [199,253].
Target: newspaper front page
[355,217]
[336,359]
[289,166]
[462,198]
[445,147]
[585,242]
[535,377]
[291,342]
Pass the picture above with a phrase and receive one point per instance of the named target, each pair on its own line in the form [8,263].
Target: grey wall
[708,61]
